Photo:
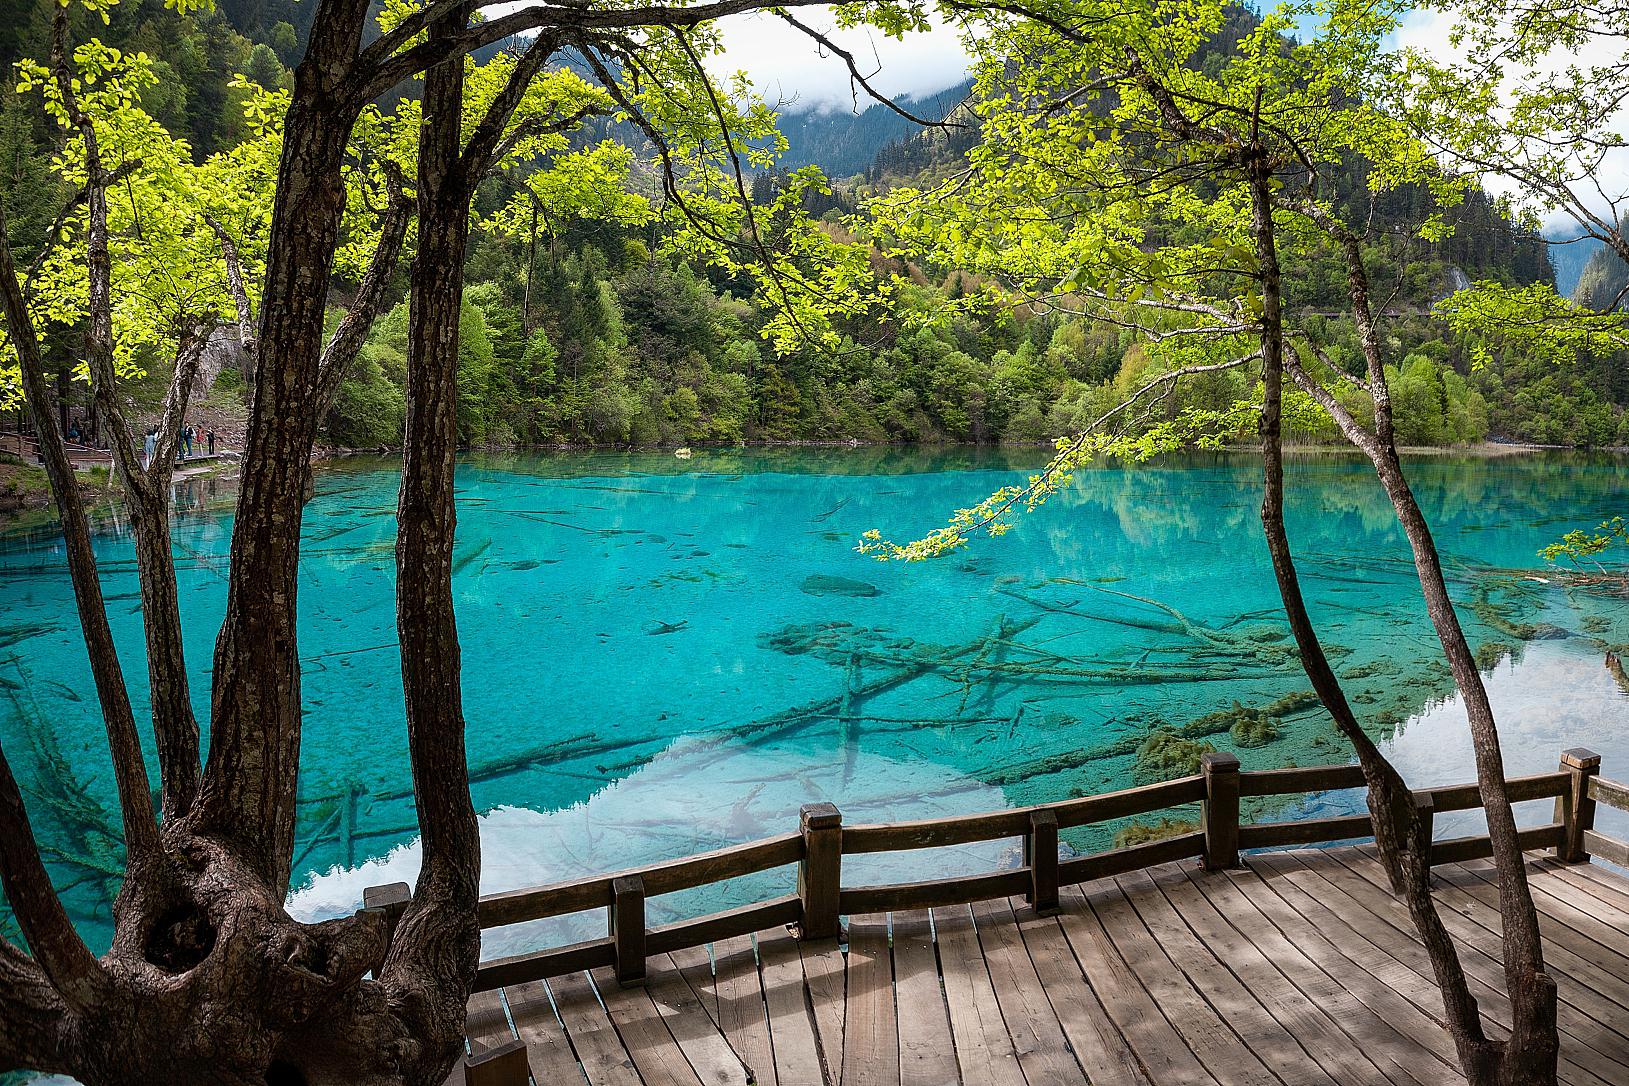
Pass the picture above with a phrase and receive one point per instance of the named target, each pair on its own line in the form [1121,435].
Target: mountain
[1602,281]
[845,143]
[1569,257]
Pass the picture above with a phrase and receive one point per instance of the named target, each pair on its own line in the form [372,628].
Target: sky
[787,67]
[790,71]
[1428,31]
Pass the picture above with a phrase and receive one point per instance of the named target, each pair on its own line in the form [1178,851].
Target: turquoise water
[665,656]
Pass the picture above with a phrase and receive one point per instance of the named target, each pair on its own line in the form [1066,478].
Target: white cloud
[1429,32]
[788,68]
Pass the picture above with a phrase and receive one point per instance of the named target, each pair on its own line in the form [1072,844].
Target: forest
[592,331]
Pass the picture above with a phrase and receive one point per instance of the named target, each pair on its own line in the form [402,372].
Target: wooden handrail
[1609,792]
[822,841]
[595,892]
[994,825]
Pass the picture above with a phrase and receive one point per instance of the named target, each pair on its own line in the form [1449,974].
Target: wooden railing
[822,841]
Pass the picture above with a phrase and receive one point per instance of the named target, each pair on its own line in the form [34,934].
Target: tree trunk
[438,943]
[130,773]
[248,791]
[1530,1056]
[1403,839]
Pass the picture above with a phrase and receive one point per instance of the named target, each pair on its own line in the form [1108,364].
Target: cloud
[1600,182]
[789,69]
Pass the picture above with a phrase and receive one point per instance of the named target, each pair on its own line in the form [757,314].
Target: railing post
[390,899]
[1041,857]
[1575,808]
[1425,812]
[626,920]
[820,872]
[503,1065]
[1220,812]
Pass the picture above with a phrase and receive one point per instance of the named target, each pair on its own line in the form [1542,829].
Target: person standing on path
[212,442]
[148,449]
[186,442]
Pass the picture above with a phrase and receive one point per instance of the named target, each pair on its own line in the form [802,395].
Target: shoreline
[1484,448]
[30,497]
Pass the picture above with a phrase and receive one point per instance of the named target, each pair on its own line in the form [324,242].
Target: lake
[663,656]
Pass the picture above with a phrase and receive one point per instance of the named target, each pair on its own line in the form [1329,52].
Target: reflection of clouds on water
[1560,695]
[669,809]
[1553,696]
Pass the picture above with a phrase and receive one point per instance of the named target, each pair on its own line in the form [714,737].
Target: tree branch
[240,293]
[352,332]
[135,801]
[847,57]
[57,947]
[377,71]
[53,235]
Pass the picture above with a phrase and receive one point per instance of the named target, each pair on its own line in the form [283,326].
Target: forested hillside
[577,333]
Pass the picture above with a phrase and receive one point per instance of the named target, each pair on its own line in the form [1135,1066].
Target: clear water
[666,656]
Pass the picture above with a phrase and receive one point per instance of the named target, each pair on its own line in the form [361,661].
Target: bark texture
[438,933]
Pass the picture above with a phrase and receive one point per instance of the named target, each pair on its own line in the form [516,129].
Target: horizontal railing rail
[820,843]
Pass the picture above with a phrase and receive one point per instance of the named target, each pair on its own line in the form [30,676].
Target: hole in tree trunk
[284,1073]
[181,939]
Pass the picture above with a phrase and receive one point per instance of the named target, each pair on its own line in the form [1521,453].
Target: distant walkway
[1299,969]
[84,456]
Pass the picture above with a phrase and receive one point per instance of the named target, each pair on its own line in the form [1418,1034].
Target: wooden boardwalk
[1298,969]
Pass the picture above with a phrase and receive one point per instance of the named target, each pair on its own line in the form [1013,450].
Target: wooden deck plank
[1366,883]
[657,1056]
[594,1039]
[1603,923]
[825,975]
[1392,953]
[1390,950]
[548,1050]
[1569,943]
[1297,1032]
[983,1047]
[793,1043]
[1582,1014]
[1421,1051]
[695,964]
[1206,1033]
[1037,1037]
[870,1022]
[1099,1046]
[696,1032]
[1475,928]
[485,1024]
[1599,881]
[927,1054]
[1147,1031]
[740,1006]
